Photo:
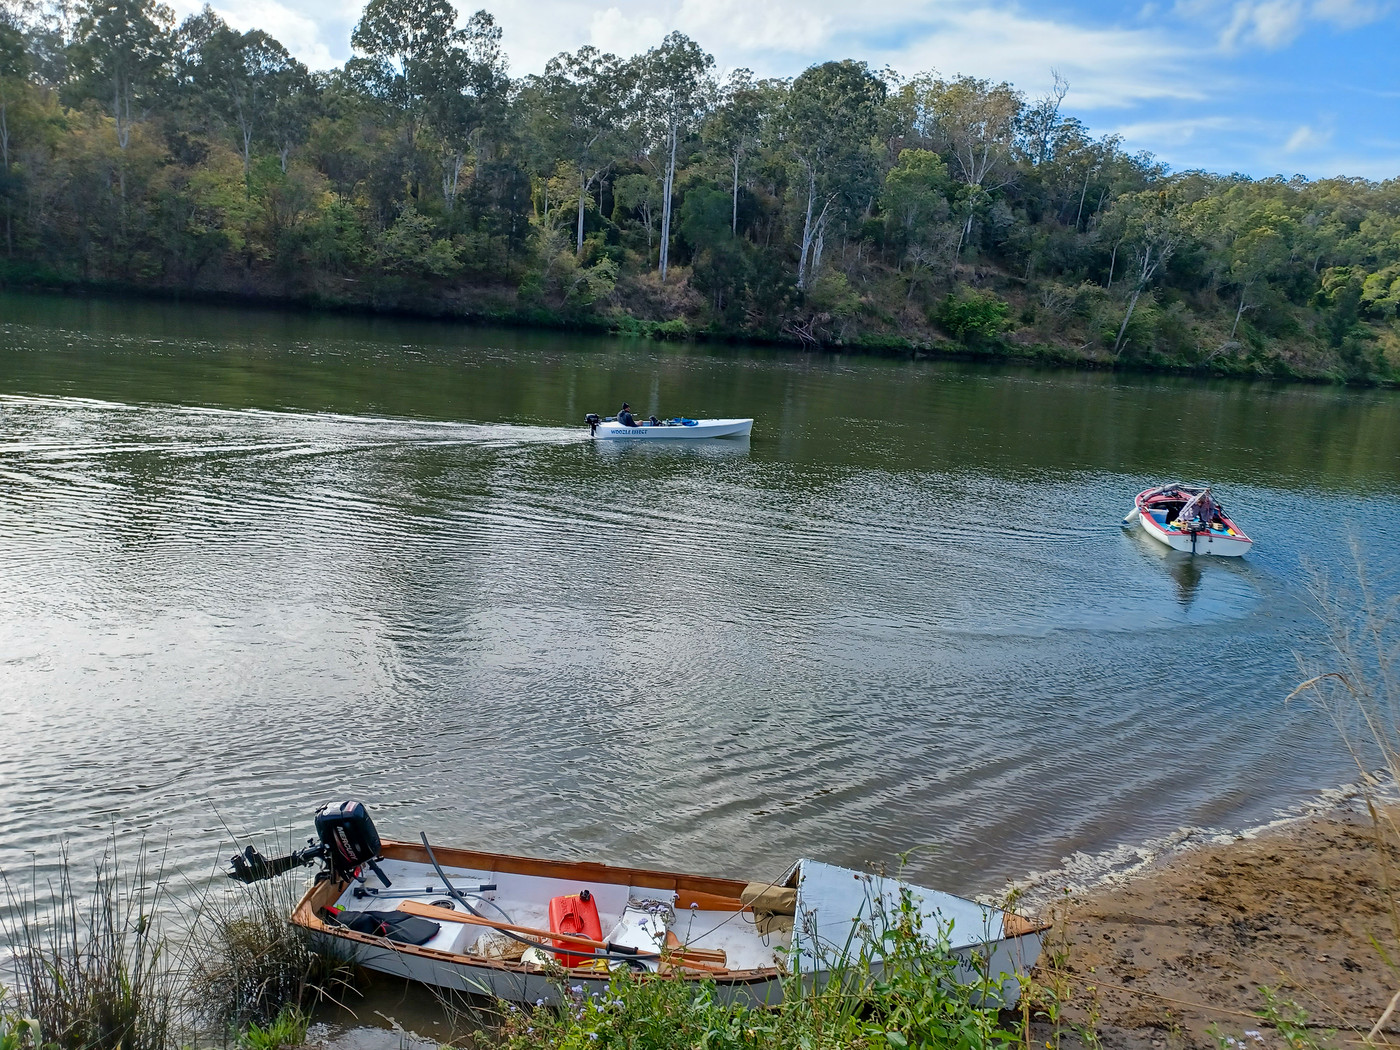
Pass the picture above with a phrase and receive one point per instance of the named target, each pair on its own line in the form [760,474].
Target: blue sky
[1263,87]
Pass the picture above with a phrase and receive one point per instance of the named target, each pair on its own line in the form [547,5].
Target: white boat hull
[1202,543]
[703,428]
[830,905]
[1154,507]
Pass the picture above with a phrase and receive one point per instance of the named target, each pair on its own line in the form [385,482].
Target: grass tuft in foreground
[90,965]
[249,966]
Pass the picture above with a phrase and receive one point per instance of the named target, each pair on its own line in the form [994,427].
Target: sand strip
[1304,909]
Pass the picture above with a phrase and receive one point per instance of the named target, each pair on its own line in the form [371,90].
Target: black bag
[394,925]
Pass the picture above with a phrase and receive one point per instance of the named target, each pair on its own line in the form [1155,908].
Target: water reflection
[268,563]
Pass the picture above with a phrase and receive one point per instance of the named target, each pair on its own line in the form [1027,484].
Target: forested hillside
[843,207]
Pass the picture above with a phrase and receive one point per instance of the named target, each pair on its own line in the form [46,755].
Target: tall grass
[250,966]
[1357,686]
[91,965]
[114,962]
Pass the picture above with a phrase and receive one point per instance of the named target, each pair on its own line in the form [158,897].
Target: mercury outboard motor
[592,420]
[348,840]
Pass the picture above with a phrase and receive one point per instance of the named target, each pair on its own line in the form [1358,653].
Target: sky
[1260,87]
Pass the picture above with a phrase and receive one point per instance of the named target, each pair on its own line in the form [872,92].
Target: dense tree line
[842,206]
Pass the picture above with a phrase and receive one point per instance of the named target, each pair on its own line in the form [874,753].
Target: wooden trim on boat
[711,893]
[323,893]
[1014,925]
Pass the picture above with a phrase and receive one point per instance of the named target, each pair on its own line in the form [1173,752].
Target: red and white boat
[1188,518]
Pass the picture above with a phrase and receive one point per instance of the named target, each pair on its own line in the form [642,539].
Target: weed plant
[248,966]
[895,988]
[91,965]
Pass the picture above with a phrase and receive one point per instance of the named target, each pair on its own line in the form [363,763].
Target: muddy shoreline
[1304,908]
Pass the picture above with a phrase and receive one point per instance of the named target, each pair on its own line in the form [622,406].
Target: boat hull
[714,919]
[1231,543]
[703,428]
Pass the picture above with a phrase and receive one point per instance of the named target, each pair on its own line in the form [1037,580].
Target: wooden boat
[667,429]
[489,923]
[1188,518]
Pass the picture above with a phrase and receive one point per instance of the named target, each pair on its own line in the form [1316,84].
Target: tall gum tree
[676,90]
[580,111]
[832,114]
[734,127]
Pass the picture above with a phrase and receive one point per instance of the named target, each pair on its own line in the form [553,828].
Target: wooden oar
[697,958]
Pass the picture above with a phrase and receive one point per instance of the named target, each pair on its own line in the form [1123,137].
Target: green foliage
[898,988]
[973,314]
[843,205]
[287,1029]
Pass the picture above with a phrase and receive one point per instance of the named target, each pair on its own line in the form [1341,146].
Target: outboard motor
[592,420]
[348,840]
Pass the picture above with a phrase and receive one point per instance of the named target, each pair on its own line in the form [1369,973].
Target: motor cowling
[592,420]
[349,837]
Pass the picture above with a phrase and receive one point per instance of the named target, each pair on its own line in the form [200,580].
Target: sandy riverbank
[1304,909]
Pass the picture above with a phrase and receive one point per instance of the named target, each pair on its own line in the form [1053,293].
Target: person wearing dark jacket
[625,417]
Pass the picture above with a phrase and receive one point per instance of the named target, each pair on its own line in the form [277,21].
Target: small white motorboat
[678,429]
[516,928]
[1188,518]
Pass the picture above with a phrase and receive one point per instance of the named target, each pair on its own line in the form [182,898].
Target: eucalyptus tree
[579,111]
[401,51]
[734,126]
[1154,225]
[976,121]
[676,89]
[1251,233]
[14,65]
[831,115]
[1040,122]
[470,98]
[122,49]
[243,78]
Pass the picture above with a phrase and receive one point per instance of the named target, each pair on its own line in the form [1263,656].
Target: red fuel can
[576,914]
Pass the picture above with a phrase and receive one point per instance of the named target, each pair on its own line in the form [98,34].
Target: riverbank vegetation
[647,195]
[112,963]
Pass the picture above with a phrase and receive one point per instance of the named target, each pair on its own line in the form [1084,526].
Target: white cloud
[1269,24]
[1305,137]
[623,35]
[1350,14]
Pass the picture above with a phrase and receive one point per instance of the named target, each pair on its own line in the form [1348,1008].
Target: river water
[253,561]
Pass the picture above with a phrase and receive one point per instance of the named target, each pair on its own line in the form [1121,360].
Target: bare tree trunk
[807,230]
[734,217]
[1233,327]
[582,193]
[1112,260]
[666,204]
[1132,305]
[1079,214]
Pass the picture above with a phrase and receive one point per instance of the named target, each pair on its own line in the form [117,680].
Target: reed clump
[896,988]
[250,967]
[91,966]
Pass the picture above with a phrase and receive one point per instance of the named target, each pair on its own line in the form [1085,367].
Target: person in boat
[625,417]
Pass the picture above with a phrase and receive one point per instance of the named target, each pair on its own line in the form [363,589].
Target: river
[252,561]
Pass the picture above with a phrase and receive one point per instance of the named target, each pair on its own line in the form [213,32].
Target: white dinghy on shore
[517,928]
[678,429]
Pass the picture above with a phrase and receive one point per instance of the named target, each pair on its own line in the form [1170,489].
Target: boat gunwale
[323,892]
[1151,523]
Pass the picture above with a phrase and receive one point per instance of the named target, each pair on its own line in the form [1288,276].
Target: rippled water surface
[250,561]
